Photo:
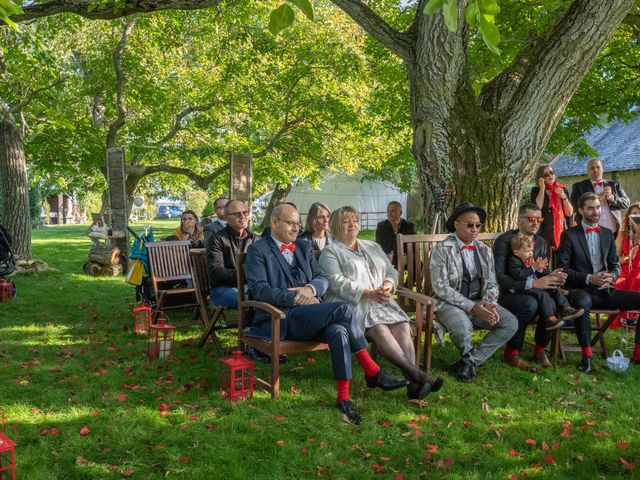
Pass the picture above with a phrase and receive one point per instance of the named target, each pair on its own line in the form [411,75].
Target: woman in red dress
[627,247]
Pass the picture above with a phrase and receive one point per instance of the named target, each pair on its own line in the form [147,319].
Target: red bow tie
[527,262]
[598,184]
[467,247]
[291,247]
[593,229]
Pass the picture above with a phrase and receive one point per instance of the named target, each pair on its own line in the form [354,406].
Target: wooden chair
[210,314]
[272,347]
[414,273]
[170,262]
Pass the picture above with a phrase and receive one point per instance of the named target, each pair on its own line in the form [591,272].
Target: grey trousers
[460,325]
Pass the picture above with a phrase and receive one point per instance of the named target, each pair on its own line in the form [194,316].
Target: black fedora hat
[461,210]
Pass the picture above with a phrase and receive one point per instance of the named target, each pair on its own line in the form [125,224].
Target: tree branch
[177,124]
[30,96]
[39,9]
[286,127]
[120,83]
[399,43]
[202,181]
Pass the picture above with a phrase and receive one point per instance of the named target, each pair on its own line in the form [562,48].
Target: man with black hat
[464,283]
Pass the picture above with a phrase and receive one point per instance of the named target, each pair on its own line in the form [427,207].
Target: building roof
[618,145]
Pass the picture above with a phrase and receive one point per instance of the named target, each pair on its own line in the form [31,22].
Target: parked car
[169,211]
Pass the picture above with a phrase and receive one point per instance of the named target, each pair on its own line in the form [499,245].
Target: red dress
[629,279]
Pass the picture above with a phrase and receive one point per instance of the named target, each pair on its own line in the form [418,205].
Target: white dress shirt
[468,257]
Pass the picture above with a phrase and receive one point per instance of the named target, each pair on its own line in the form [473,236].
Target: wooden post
[241,177]
[118,207]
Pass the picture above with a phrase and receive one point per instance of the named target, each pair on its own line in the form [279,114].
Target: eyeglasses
[351,221]
[533,219]
[239,215]
[470,225]
[548,173]
[291,223]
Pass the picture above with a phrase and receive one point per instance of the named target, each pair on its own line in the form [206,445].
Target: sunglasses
[635,219]
[548,173]
[534,219]
[239,215]
[470,225]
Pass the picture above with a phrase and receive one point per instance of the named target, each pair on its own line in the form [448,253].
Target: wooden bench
[414,275]
[209,314]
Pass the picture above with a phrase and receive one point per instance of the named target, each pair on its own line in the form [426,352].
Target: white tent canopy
[337,190]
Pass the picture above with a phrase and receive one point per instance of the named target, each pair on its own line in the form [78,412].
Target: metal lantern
[236,377]
[142,318]
[7,458]
[161,339]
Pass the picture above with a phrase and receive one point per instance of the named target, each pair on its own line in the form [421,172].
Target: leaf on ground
[399,476]
[81,460]
[280,442]
[54,431]
[467,424]
[45,431]
[184,460]
[378,442]
[485,405]
[295,391]
[431,448]
[85,431]
[447,462]
[377,468]
[531,441]
[549,460]
[621,445]
[304,450]
[122,397]
[311,360]
[127,473]
[627,465]
[544,446]
[513,453]
[386,423]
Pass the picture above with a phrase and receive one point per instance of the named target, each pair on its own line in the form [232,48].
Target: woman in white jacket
[361,274]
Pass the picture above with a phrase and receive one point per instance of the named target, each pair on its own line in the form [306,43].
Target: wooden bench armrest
[416,297]
[270,309]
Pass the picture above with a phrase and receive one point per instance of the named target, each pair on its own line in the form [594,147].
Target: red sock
[636,352]
[510,352]
[537,348]
[586,351]
[343,390]
[370,367]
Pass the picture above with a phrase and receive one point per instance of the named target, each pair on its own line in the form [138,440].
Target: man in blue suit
[284,272]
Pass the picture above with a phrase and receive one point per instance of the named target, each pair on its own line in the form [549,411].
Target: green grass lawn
[69,361]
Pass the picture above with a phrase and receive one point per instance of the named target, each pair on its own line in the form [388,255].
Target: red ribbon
[593,229]
[291,247]
[467,247]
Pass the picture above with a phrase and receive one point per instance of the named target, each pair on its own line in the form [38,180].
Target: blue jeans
[225,296]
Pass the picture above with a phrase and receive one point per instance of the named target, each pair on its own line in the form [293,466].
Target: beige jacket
[446,274]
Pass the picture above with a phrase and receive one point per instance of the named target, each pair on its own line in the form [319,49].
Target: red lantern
[161,338]
[236,377]
[7,457]
[142,318]
[6,294]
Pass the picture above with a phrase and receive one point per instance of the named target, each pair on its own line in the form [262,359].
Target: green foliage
[8,8]
[280,18]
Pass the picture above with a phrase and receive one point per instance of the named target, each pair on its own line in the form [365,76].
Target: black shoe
[463,371]
[587,365]
[635,362]
[417,391]
[437,384]
[384,381]
[349,411]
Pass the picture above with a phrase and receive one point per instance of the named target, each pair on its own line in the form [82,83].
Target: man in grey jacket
[464,283]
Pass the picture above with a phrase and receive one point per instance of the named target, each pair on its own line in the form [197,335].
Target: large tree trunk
[15,185]
[279,195]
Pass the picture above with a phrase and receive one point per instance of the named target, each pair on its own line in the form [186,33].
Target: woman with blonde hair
[190,229]
[360,273]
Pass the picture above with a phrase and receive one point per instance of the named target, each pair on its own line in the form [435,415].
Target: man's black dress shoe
[437,384]
[587,365]
[349,411]
[463,371]
[385,381]
[635,362]
[417,391]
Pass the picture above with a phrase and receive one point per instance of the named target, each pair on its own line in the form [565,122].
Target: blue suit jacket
[268,277]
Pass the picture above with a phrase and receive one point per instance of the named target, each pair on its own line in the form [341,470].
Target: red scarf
[555,203]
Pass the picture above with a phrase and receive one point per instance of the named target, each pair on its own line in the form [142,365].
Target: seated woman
[552,199]
[360,273]
[627,247]
[316,228]
[190,229]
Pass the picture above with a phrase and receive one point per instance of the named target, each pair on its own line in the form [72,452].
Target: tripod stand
[440,220]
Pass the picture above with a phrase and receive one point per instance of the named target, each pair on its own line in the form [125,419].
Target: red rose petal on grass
[386,423]
[555,445]
[513,453]
[378,442]
[311,439]
[85,431]
[544,446]
[184,460]
[193,418]
[621,445]
[377,468]
[627,465]
[45,431]
[163,407]
[122,397]
[467,424]
[447,462]
[294,390]
[54,431]
[399,476]
[311,360]
[304,450]
[81,460]
[427,457]
[95,414]
[590,422]
[127,473]
[549,460]
[280,442]
[431,448]
[531,441]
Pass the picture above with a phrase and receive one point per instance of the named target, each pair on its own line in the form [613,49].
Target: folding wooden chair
[272,347]
[602,319]
[169,262]
[209,314]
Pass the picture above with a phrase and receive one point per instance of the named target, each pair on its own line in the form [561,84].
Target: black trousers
[525,308]
[334,323]
[606,299]
[549,300]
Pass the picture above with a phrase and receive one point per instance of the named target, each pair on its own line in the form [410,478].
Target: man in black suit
[524,307]
[387,231]
[221,253]
[612,196]
[588,255]
[284,272]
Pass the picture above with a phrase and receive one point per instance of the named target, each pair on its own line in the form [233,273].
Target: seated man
[219,223]
[221,253]
[523,306]
[284,272]
[588,254]
[464,283]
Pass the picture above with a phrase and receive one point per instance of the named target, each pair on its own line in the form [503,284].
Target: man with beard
[588,255]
